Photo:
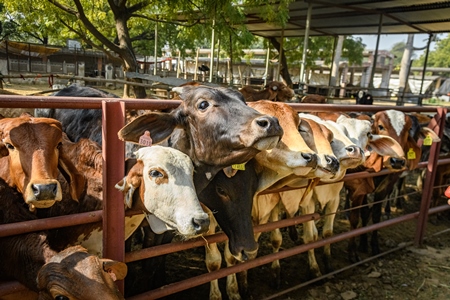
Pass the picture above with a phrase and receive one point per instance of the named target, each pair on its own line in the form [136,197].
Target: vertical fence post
[437,124]
[113,151]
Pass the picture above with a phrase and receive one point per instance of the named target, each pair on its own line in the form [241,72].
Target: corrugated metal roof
[357,17]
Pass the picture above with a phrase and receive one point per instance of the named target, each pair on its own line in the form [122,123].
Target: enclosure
[113,212]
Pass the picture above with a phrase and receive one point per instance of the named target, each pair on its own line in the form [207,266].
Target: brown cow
[30,151]
[69,274]
[275,91]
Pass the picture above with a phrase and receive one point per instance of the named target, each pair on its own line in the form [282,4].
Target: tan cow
[31,154]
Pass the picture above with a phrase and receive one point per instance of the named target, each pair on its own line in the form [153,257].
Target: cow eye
[203,105]
[220,191]
[155,173]
[9,146]
[380,127]
[60,297]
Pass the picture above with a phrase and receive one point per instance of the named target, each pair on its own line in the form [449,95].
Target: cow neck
[203,174]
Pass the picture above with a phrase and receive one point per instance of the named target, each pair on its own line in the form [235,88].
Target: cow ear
[160,125]
[118,270]
[75,179]
[427,132]
[130,183]
[386,146]
[229,171]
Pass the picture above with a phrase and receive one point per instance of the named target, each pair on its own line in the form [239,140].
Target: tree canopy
[439,57]
[121,29]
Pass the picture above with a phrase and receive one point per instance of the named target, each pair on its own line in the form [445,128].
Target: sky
[388,40]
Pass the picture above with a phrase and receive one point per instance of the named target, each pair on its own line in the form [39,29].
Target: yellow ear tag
[427,141]
[238,167]
[411,154]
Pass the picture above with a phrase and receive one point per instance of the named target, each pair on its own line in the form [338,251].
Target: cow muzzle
[397,163]
[43,194]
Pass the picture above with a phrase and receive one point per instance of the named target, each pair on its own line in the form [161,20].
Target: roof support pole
[196,65]
[156,48]
[305,43]
[375,55]
[280,54]
[211,60]
[430,37]
[266,74]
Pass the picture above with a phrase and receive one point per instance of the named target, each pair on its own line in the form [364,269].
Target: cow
[214,126]
[397,125]
[31,154]
[84,123]
[229,200]
[30,259]
[275,91]
[78,123]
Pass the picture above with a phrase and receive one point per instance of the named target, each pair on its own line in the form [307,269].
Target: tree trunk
[127,54]
[284,67]
[406,60]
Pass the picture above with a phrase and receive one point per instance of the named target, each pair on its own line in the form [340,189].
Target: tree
[439,57]
[118,28]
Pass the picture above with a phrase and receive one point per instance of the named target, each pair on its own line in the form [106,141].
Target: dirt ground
[410,273]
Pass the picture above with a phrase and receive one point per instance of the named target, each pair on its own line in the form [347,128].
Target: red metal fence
[113,210]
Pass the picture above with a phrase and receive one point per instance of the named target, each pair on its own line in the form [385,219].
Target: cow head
[292,155]
[32,155]
[218,129]
[348,153]
[319,138]
[359,131]
[231,201]
[161,184]
[75,274]
[280,91]
[397,125]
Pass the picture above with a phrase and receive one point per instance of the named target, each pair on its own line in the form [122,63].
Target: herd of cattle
[218,150]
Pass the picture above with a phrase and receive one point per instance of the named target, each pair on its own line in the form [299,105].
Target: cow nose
[45,191]
[263,122]
[201,225]
[332,163]
[353,150]
[311,159]
[397,163]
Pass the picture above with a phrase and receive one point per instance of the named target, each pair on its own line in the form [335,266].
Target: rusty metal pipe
[215,238]
[50,223]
